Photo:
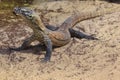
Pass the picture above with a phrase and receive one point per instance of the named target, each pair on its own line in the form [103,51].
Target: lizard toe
[45,60]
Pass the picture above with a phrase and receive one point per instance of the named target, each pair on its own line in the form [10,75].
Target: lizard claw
[92,38]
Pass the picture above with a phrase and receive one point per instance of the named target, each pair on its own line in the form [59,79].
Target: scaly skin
[49,36]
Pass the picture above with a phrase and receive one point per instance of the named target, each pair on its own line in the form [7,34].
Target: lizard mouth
[15,13]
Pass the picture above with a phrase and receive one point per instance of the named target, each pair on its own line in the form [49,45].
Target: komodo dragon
[51,37]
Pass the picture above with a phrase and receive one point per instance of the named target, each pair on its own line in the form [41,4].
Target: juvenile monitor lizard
[49,36]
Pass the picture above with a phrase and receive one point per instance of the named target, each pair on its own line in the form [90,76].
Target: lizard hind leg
[80,35]
[26,44]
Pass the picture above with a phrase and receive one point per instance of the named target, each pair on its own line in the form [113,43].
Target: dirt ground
[81,59]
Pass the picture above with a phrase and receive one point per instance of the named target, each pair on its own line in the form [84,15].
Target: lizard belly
[59,38]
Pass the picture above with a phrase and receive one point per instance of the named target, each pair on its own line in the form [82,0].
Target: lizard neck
[37,20]
[36,24]
[32,25]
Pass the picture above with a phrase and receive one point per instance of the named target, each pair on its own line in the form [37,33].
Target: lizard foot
[91,37]
[45,60]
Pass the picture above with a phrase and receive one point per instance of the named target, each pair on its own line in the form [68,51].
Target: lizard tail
[74,19]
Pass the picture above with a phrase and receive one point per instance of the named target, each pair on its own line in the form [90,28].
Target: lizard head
[30,15]
[24,12]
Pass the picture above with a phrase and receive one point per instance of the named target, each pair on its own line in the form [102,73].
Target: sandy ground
[79,60]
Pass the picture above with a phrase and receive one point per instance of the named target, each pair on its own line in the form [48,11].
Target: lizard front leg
[48,45]
[25,45]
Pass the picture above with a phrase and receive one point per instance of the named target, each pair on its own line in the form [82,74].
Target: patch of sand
[78,60]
